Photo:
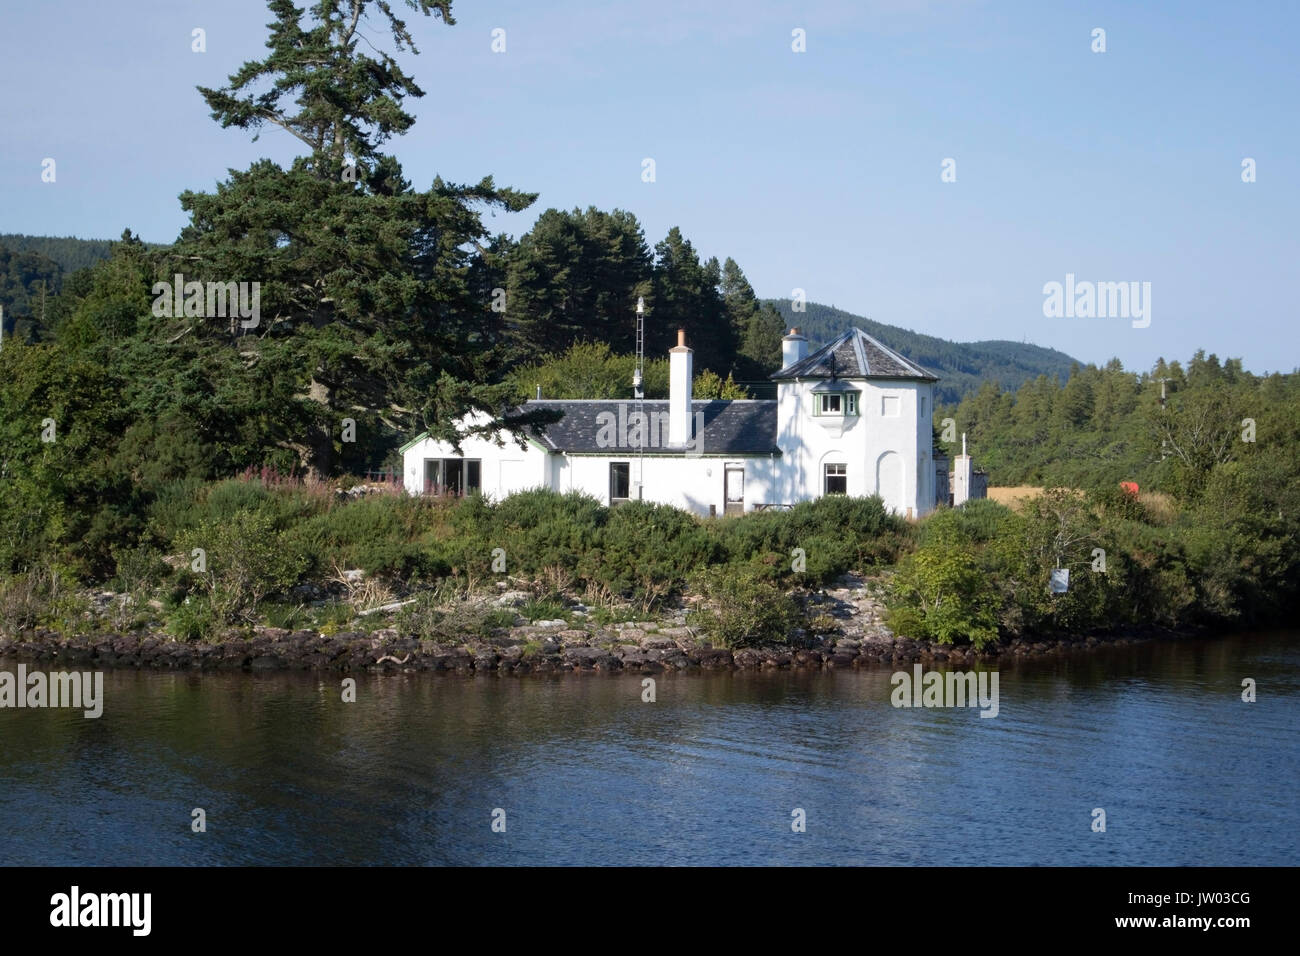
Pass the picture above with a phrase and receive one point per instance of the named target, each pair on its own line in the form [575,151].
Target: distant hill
[69,252]
[962,366]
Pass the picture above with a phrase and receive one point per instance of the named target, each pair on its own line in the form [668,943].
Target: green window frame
[835,404]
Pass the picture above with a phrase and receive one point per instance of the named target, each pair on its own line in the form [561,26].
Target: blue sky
[817,170]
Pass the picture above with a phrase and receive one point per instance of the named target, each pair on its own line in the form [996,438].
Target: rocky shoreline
[561,650]
[854,635]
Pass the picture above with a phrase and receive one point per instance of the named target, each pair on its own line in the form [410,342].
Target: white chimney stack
[681,370]
[794,348]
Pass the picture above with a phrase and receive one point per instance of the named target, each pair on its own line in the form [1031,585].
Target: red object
[1130,488]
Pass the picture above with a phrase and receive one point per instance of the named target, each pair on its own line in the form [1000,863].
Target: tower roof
[855,354]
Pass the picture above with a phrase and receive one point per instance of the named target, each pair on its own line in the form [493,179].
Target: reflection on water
[1157,735]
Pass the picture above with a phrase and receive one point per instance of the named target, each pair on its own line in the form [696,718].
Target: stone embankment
[847,631]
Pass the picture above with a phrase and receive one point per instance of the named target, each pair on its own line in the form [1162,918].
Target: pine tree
[686,296]
[376,299]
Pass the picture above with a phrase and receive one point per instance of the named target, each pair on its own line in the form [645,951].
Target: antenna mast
[638,390]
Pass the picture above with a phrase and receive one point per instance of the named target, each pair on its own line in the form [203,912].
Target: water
[1157,735]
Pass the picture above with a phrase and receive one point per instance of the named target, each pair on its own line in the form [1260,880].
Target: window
[890,406]
[452,476]
[837,480]
[620,481]
[836,403]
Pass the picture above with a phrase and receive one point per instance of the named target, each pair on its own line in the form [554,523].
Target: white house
[853,418]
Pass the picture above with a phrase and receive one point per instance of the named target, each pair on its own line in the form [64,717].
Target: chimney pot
[681,338]
[794,348]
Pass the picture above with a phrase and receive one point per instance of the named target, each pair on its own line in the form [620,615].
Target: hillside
[962,366]
[69,252]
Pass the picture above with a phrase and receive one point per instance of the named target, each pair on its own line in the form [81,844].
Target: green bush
[539,529]
[193,619]
[27,598]
[384,535]
[246,560]
[744,607]
[836,533]
[290,617]
[977,522]
[647,550]
[940,593]
[176,508]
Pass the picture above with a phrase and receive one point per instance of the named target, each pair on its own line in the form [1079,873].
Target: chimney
[794,348]
[681,369]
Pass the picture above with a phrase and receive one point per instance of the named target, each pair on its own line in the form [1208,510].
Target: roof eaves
[413,442]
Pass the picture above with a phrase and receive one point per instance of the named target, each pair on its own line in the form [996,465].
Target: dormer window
[834,399]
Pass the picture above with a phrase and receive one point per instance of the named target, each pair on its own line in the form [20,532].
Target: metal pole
[638,390]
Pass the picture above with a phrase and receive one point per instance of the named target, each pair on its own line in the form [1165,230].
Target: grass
[1014,496]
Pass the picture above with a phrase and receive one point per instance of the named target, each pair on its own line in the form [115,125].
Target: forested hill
[961,366]
[70,253]
[34,273]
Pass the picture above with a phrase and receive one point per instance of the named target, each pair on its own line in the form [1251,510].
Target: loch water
[1155,734]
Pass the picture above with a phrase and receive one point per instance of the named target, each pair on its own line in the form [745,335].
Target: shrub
[175,509]
[426,620]
[245,561]
[290,617]
[383,535]
[138,570]
[26,598]
[646,551]
[193,619]
[978,521]
[837,533]
[541,528]
[940,593]
[227,498]
[745,607]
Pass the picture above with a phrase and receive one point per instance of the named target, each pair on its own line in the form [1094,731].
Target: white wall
[863,443]
[504,469]
[692,484]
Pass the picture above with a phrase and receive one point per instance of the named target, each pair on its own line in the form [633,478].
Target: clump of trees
[1215,544]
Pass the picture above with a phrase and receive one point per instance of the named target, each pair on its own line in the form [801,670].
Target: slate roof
[855,354]
[738,427]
